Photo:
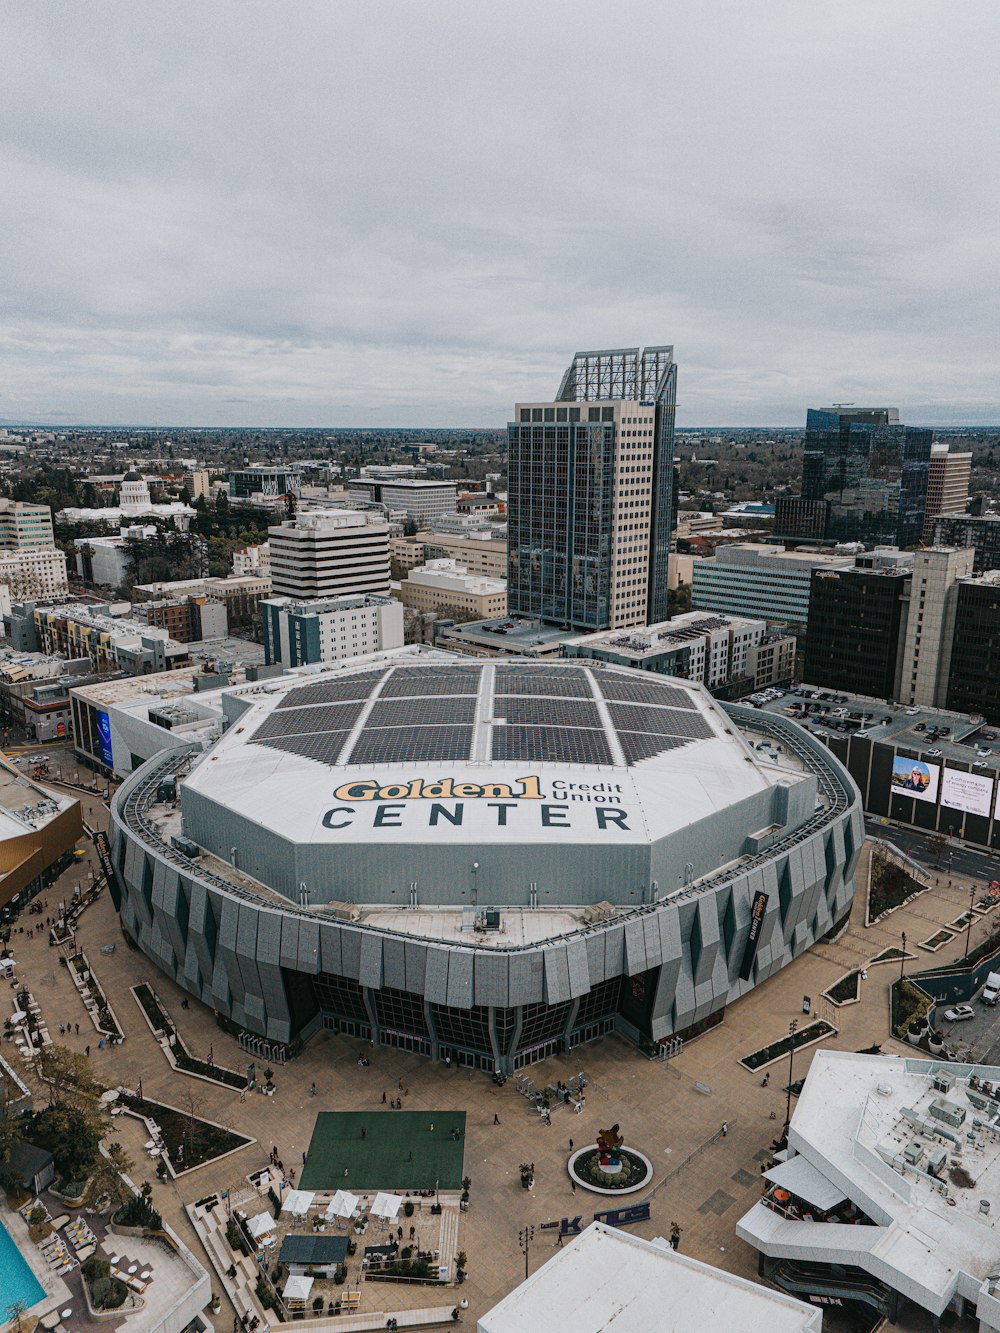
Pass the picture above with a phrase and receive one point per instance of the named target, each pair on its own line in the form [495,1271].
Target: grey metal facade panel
[160,871]
[308,960]
[614,951]
[596,961]
[635,947]
[527,977]
[270,932]
[370,965]
[330,954]
[491,980]
[394,963]
[460,970]
[708,923]
[579,968]
[350,945]
[556,974]
[651,940]
[289,955]
[416,966]
[436,976]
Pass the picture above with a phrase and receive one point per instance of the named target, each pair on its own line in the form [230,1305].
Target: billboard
[971,792]
[757,909]
[104,739]
[912,777]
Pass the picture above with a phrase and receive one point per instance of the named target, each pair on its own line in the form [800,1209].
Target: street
[956,860]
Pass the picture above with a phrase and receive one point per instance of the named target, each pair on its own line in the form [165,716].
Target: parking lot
[976,1039]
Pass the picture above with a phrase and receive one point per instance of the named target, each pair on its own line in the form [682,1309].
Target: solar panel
[636,745]
[572,683]
[410,712]
[661,721]
[548,712]
[643,691]
[430,681]
[555,745]
[324,748]
[384,745]
[329,691]
[318,718]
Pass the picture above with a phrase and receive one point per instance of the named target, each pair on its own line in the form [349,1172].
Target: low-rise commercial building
[503,637]
[187,619]
[39,828]
[240,594]
[884,1198]
[300,633]
[104,561]
[761,582]
[419,500]
[34,692]
[34,572]
[711,650]
[448,587]
[80,630]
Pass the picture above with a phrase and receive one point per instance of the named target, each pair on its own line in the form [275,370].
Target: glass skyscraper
[590,493]
[864,478]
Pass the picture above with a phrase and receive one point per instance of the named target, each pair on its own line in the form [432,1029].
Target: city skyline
[323,220]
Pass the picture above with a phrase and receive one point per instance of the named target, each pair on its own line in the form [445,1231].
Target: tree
[936,843]
[16,1311]
[106,1183]
[72,1134]
[69,1076]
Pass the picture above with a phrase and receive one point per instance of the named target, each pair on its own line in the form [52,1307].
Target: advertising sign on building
[757,909]
[912,777]
[971,792]
[104,739]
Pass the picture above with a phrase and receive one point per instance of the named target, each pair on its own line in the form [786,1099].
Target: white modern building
[607,1279]
[253,560]
[33,573]
[887,1196]
[301,633]
[419,500]
[447,586]
[330,553]
[765,582]
[711,650]
[104,560]
[23,525]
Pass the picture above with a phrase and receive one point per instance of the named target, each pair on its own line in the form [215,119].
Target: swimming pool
[17,1281]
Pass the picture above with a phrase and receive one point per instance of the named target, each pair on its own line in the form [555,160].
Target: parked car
[936,754]
[960,1013]
[991,991]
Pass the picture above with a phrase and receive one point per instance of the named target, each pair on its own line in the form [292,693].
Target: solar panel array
[542,714]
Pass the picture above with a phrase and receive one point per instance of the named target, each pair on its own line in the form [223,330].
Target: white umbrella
[260,1225]
[298,1202]
[297,1288]
[342,1204]
[18,1016]
[111,1095]
[387,1206]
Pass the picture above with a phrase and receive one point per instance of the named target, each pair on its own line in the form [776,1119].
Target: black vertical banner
[757,910]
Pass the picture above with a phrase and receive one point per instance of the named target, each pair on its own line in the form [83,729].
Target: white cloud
[415,212]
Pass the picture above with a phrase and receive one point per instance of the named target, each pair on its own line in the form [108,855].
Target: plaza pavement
[672,1111]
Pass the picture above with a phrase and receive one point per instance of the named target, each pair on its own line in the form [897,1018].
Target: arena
[483,862]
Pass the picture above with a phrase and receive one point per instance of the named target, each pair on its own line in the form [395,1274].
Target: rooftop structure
[607,1279]
[762,582]
[504,636]
[38,827]
[712,650]
[895,1167]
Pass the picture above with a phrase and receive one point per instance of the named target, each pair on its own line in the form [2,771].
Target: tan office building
[446,586]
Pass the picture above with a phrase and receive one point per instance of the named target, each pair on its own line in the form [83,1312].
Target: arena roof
[601,737]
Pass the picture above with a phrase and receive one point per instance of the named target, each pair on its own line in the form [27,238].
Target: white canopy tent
[297,1289]
[387,1206]
[261,1225]
[298,1202]
[342,1204]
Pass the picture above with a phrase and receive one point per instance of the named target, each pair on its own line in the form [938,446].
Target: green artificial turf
[401,1151]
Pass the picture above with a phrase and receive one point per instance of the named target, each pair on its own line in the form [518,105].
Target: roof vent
[884,1090]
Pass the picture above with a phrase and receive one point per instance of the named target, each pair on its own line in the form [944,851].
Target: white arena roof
[555,753]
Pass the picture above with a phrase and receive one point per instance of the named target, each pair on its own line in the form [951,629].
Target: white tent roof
[803,1180]
[342,1204]
[260,1225]
[387,1206]
[298,1202]
[298,1288]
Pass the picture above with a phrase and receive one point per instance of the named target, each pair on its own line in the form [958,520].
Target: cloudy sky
[413,212]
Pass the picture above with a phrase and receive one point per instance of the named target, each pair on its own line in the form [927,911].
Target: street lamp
[791,1054]
[968,927]
[902,957]
[524,1239]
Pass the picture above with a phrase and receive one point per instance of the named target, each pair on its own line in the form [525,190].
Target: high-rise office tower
[947,486]
[589,495]
[864,478]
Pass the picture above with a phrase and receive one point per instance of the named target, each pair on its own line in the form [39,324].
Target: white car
[960,1013]
[912,712]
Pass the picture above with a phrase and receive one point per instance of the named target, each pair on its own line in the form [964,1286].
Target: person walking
[725,1128]
[364,1131]
[496,1118]
[312,1090]
[571,1145]
[675,1236]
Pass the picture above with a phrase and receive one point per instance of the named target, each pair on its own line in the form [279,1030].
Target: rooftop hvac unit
[948,1112]
[943,1082]
[912,1153]
[343,911]
[936,1161]
[185,846]
[602,911]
